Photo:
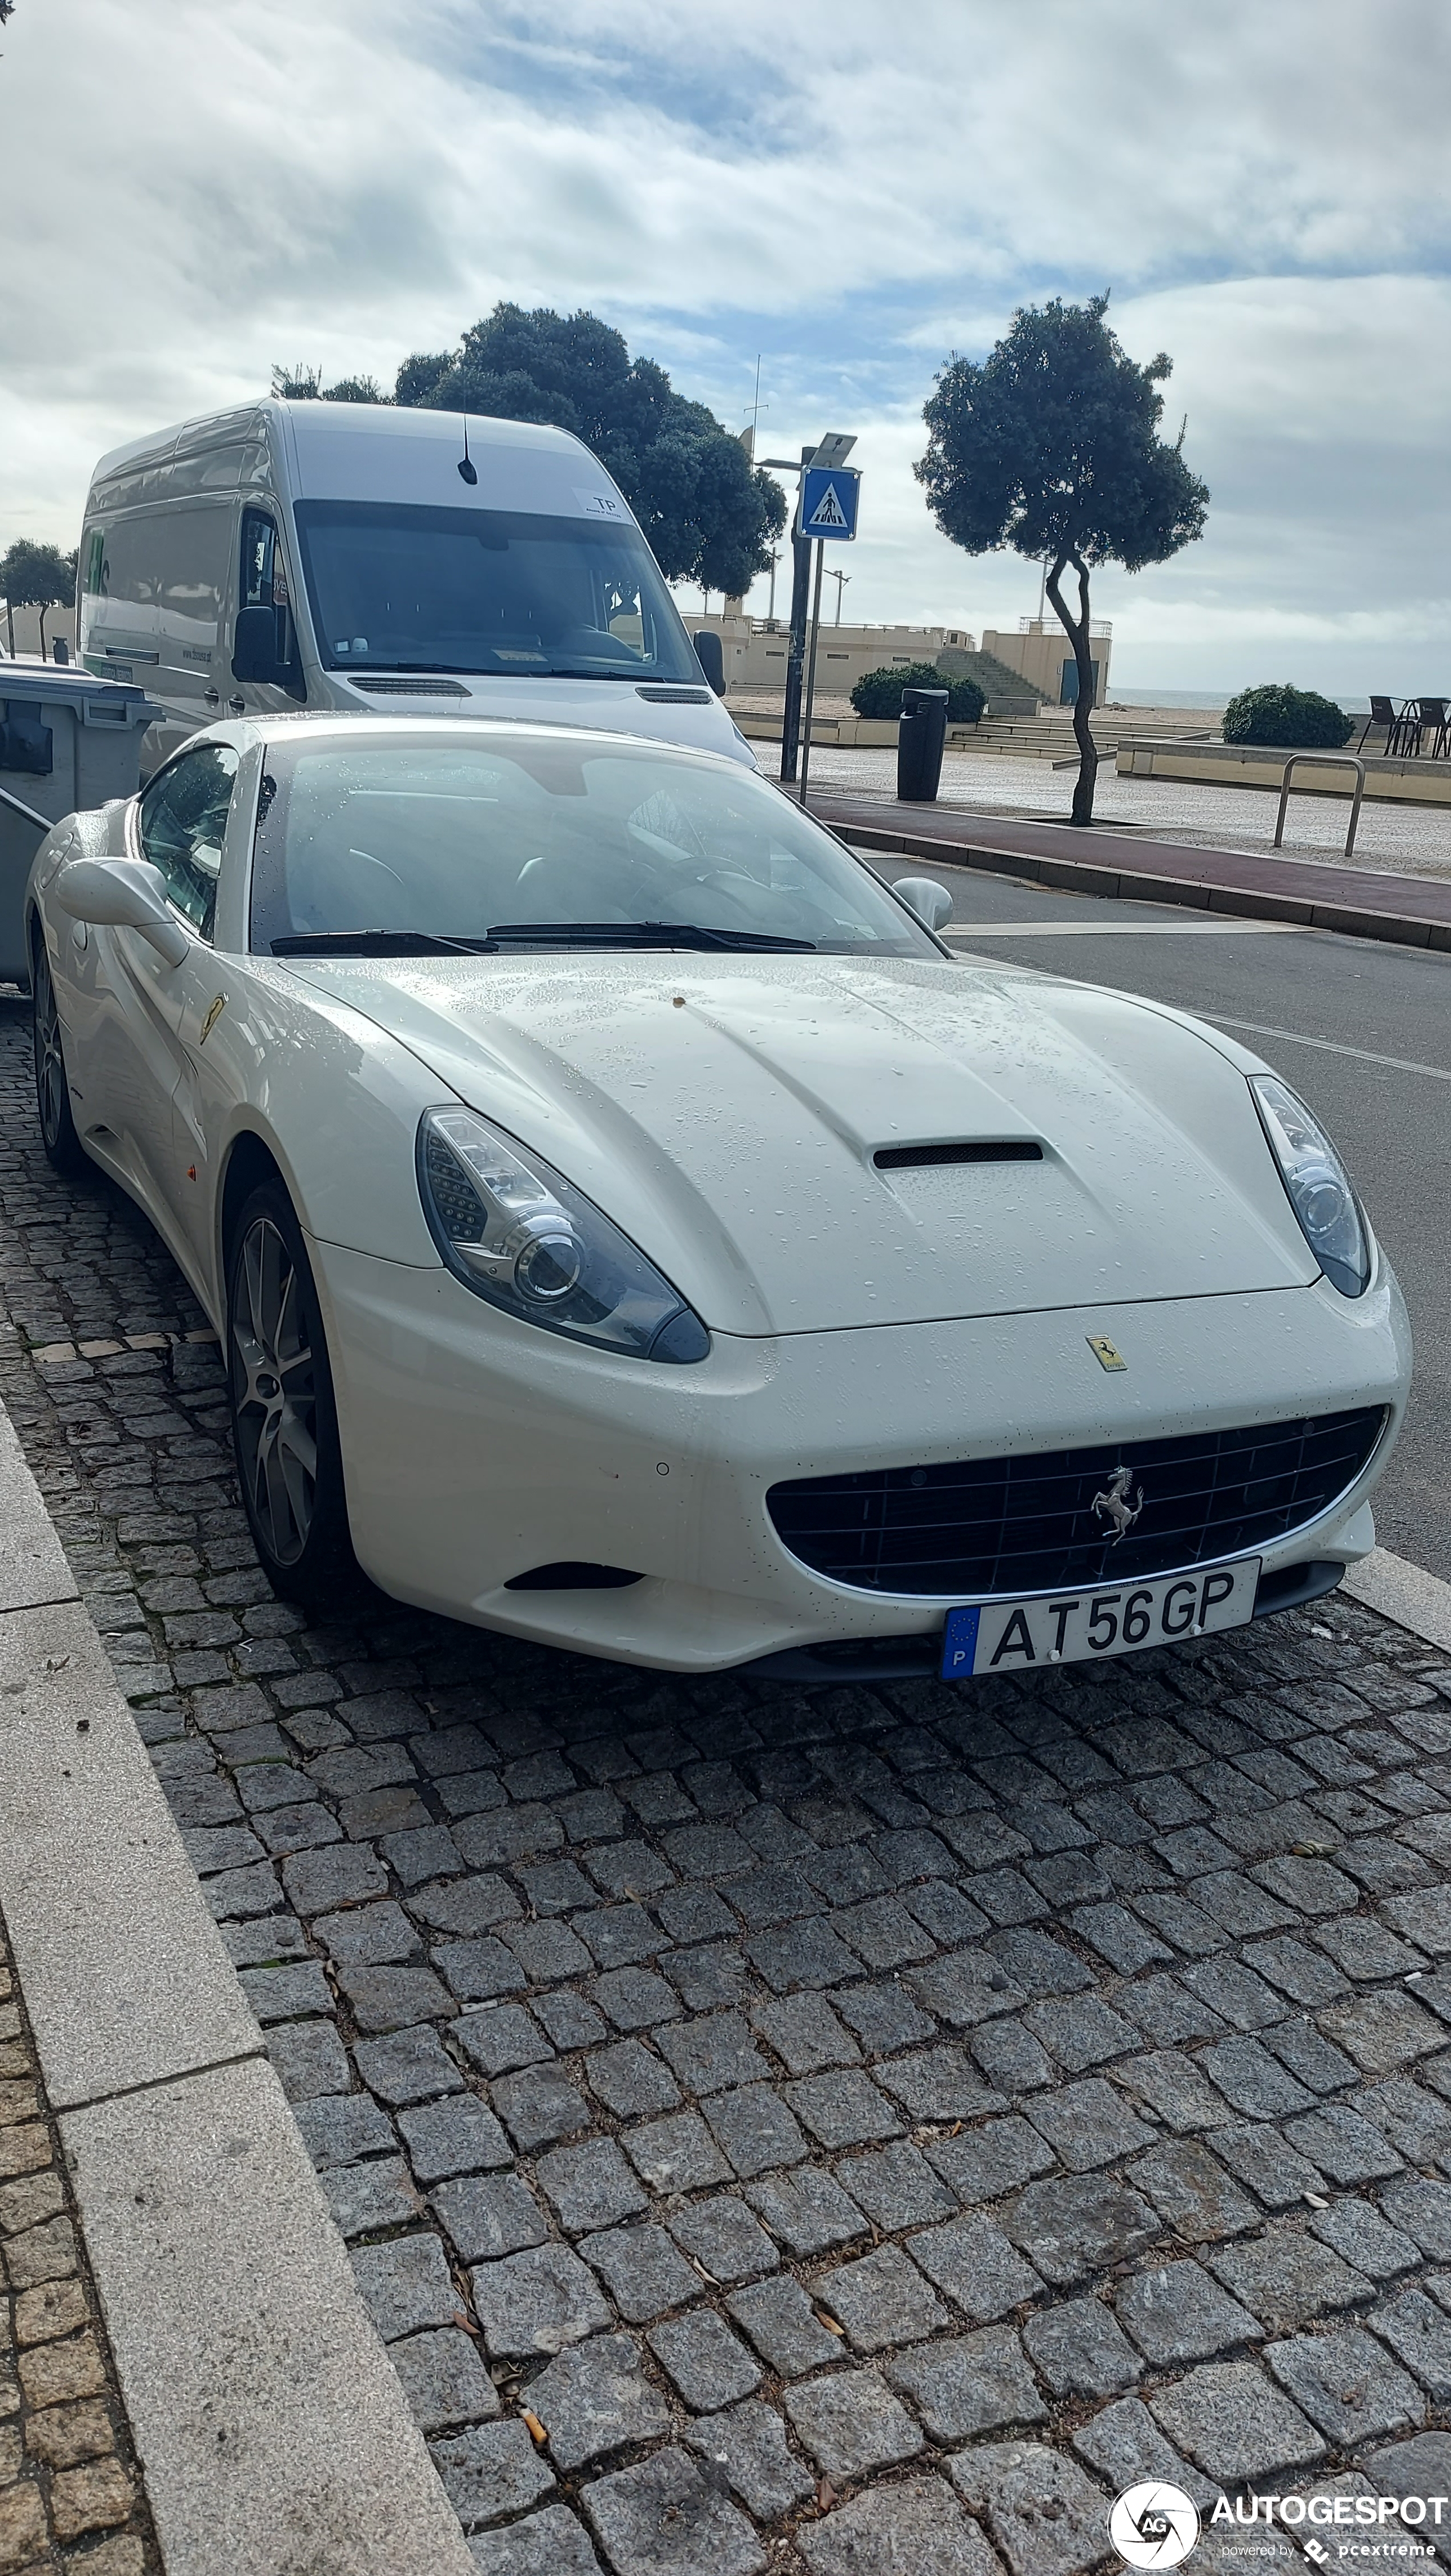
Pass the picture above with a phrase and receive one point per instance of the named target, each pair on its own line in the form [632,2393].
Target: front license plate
[1073,1627]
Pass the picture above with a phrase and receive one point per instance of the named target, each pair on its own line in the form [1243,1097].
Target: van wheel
[63,1147]
[284,1420]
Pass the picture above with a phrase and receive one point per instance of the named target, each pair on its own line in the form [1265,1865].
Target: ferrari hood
[752,1124]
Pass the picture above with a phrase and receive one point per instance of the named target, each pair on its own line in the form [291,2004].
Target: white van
[351,555]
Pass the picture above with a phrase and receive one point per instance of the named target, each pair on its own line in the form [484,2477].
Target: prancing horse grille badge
[1104,1351]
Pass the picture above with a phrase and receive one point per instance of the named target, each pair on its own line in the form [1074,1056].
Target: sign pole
[811,668]
[800,584]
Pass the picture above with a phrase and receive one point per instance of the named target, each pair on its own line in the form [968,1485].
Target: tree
[34,576]
[708,514]
[304,384]
[1052,447]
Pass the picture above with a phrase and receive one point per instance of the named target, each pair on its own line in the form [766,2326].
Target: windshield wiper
[639,934]
[378,943]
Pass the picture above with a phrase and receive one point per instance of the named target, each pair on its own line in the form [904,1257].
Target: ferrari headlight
[1318,1185]
[517,1233]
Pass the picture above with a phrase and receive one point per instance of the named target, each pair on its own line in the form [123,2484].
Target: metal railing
[1322,760]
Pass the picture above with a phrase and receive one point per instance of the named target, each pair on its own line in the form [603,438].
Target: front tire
[284,1419]
[63,1148]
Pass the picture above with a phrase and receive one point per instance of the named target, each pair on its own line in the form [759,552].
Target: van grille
[1028,1524]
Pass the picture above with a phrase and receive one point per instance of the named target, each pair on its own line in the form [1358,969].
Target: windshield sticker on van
[601,505]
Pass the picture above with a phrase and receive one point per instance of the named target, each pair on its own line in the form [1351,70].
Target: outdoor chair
[1382,712]
[1431,719]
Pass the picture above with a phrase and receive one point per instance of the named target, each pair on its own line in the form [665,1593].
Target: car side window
[182,823]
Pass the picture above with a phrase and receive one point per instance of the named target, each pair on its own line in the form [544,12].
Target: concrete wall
[1039,651]
[58,621]
[1233,764]
[755,651]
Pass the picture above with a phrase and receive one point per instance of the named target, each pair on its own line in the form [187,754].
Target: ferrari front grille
[1050,1518]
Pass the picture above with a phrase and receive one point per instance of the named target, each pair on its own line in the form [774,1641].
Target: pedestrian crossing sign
[829,495]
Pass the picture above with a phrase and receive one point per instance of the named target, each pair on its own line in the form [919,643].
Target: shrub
[1290,719]
[879,693]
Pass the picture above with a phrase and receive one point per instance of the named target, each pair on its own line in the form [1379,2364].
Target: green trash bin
[67,741]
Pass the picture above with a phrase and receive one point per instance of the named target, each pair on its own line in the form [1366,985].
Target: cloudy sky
[191,190]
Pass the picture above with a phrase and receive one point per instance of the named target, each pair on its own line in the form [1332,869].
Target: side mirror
[122,894]
[254,645]
[930,901]
[710,656]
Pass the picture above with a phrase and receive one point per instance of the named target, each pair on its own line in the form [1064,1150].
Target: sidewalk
[1415,912]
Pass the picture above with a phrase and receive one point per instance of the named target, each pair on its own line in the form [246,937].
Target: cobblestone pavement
[841,2129]
[70,2492]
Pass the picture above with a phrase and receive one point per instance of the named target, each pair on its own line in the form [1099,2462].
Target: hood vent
[914,1158]
[390,684]
[665,697]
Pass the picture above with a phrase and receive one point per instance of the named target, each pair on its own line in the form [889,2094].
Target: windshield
[551,841]
[397,588]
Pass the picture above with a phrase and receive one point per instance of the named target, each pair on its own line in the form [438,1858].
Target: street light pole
[841,579]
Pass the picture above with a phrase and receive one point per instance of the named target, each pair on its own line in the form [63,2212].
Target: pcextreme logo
[1157,2525]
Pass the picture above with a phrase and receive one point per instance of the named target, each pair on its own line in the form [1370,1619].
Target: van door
[263,582]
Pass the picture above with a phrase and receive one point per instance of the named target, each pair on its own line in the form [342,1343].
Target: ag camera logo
[1153,2525]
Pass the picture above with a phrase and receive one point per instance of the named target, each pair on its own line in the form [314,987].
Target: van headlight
[515,1231]
[1317,1184]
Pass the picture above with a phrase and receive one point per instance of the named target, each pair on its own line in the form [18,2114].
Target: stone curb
[1405,1593]
[1269,901]
[271,2427]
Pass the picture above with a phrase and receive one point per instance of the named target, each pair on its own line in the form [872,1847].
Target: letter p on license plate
[1072,1627]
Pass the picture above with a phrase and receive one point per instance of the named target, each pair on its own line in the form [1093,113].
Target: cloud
[209,186]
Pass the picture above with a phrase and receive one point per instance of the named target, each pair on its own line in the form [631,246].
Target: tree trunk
[41,608]
[1077,634]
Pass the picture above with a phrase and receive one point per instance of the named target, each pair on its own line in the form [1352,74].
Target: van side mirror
[254,645]
[711,658]
[123,894]
[930,901]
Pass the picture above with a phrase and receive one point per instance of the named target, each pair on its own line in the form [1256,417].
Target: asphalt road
[1363,1031]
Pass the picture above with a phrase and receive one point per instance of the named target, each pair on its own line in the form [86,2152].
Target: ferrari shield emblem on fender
[215,1013]
[1104,1352]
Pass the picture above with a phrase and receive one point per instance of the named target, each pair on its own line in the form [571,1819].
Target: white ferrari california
[629,1225]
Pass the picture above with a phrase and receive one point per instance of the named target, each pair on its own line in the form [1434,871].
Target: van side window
[264,585]
[182,823]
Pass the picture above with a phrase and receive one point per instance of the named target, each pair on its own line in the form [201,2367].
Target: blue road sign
[829,497]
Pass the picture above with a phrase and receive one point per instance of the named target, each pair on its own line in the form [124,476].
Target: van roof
[336,446]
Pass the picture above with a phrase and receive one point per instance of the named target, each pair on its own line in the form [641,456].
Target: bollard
[920,737]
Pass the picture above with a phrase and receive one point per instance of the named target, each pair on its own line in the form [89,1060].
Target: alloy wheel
[274,1392]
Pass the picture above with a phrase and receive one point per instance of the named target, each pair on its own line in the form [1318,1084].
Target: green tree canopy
[1051,448]
[301,383]
[36,576]
[709,516]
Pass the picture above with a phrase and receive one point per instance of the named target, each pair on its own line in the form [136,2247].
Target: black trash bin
[920,737]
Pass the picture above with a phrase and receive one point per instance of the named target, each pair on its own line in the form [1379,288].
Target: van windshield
[395,587]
